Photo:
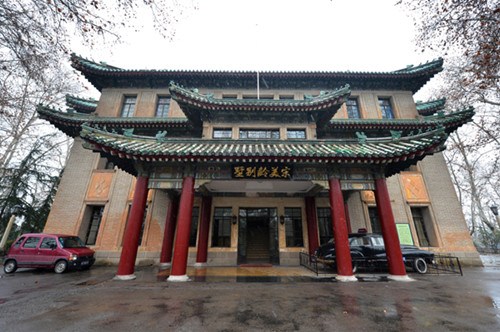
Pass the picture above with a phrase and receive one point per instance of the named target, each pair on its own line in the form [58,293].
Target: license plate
[85,263]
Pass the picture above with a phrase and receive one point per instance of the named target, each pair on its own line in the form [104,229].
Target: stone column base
[346,278]
[125,277]
[183,278]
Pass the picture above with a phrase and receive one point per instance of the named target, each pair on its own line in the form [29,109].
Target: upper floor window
[128,107]
[222,133]
[286,97]
[295,133]
[260,133]
[352,108]
[386,108]
[162,107]
[229,96]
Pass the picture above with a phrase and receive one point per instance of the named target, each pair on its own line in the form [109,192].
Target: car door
[47,251]
[28,253]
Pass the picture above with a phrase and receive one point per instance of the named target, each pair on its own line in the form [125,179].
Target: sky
[275,35]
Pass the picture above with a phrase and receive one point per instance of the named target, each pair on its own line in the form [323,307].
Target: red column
[206,209]
[132,231]
[389,232]
[169,233]
[181,248]
[312,224]
[341,238]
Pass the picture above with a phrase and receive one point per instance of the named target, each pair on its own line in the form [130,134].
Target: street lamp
[494,210]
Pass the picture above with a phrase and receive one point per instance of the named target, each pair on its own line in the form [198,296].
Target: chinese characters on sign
[261,171]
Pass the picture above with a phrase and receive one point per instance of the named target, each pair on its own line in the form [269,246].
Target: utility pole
[5,235]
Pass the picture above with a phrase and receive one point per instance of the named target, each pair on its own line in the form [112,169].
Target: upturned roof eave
[102,75]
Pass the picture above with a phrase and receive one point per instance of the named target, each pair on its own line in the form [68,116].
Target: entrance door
[258,236]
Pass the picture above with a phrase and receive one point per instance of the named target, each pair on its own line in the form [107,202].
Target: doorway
[258,236]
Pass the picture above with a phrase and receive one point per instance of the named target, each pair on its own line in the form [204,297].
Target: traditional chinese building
[224,168]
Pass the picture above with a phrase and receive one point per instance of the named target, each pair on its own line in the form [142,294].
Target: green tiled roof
[70,122]
[374,151]
[430,107]
[450,121]
[81,105]
[197,106]
[411,78]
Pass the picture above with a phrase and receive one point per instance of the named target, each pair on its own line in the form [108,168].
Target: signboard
[261,171]
[404,234]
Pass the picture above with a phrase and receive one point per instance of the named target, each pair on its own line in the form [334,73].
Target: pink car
[60,252]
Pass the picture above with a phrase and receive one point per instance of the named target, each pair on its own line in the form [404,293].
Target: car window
[18,242]
[71,242]
[356,241]
[31,242]
[378,241]
[48,243]
[366,241]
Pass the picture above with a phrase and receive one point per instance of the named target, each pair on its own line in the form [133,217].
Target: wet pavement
[248,299]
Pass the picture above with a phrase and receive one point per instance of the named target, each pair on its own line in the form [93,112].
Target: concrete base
[346,278]
[183,278]
[200,265]
[125,277]
[399,278]
[164,266]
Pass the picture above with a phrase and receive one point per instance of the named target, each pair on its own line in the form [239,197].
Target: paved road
[32,300]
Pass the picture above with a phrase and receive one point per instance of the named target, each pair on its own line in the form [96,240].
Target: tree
[35,39]
[467,29]
[466,33]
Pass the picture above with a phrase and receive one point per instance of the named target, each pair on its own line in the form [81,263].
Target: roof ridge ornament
[361,137]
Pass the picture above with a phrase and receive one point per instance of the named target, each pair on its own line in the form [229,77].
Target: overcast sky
[356,35]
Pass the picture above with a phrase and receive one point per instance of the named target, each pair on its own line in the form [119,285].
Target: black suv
[367,250]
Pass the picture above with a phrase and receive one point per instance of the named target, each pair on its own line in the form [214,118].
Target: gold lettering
[251,172]
[239,172]
[285,172]
[274,172]
[262,172]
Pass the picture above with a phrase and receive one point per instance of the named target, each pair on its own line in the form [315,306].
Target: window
[260,133]
[296,133]
[48,243]
[162,107]
[324,225]
[221,230]
[128,106]
[293,227]
[31,242]
[194,227]
[286,97]
[223,133]
[419,221]
[374,221]
[18,242]
[231,96]
[352,108]
[93,224]
[386,108]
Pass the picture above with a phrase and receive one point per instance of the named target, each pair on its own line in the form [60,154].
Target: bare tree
[34,48]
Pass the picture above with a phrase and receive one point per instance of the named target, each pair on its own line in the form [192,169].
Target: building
[224,168]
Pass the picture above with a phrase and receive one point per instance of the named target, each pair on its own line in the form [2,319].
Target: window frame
[128,109]
[289,130]
[225,217]
[349,107]
[215,130]
[384,108]
[271,131]
[164,110]
[293,226]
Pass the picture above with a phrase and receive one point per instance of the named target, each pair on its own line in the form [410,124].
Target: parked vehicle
[60,252]
[368,250]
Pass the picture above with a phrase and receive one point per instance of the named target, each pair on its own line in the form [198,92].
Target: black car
[367,250]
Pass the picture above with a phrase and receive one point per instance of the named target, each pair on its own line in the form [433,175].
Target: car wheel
[420,266]
[10,266]
[61,266]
